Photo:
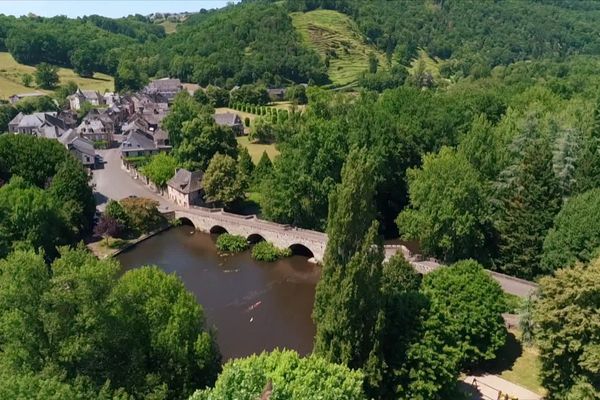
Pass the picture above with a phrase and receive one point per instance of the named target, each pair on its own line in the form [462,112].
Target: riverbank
[100,250]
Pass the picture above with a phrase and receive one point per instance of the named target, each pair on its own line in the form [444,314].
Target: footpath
[492,387]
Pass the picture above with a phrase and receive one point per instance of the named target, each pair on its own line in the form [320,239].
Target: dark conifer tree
[530,202]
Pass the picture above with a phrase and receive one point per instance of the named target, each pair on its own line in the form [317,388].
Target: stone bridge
[311,243]
[300,241]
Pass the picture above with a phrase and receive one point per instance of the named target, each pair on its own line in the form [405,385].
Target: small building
[95,130]
[276,94]
[230,120]
[15,98]
[83,150]
[185,188]
[47,125]
[166,87]
[93,97]
[141,144]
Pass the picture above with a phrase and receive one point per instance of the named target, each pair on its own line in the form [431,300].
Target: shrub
[231,243]
[266,251]
[247,122]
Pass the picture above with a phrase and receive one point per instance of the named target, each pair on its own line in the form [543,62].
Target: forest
[486,160]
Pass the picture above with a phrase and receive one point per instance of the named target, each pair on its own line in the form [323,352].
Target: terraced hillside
[336,38]
[11,73]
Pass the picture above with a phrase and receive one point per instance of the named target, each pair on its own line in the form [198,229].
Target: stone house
[15,98]
[83,150]
[96,129]
[230,120]
[276,94]
[185,188]
[166,87]
[93,97]
[141,144]
[41,124]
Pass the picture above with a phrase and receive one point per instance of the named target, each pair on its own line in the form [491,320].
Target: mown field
[256,150]
[11,73]
[335,35]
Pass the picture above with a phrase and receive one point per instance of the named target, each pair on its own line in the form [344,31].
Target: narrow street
[114,183]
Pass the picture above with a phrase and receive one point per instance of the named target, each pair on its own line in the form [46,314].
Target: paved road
[114,183]
[489,386]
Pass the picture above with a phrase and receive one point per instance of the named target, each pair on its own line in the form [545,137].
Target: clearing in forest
[337,39]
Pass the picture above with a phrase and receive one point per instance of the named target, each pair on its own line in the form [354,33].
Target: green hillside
[11,73]
[336,37]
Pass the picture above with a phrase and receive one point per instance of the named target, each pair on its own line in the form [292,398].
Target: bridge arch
[217,229]
[255,238]
[186,221]
[301,250]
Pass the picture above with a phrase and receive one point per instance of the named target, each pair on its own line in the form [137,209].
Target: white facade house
[185,188]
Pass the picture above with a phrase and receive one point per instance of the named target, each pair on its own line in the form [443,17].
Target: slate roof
[227,119]
[166,84]
[46,124]
[186,182]
[137,141]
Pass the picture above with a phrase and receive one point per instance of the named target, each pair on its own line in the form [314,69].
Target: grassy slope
[170,26]
[335,33]
[11,72]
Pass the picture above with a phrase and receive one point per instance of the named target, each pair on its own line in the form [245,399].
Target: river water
[254,306]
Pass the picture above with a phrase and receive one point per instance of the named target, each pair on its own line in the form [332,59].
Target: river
[254,306]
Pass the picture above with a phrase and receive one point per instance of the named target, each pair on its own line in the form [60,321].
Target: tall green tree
[530,201]
[263,169]
[224,182]
[46,76]
[129,76]
[201,140]
[160,169]
[71,189]
[81,320]
[184,109]
[246,166]
[348,311]
[448,212]
[31,217]
[587,166]
[567,332]
[575,235]
[286,375]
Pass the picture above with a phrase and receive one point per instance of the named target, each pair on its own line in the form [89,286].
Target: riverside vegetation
[483,151]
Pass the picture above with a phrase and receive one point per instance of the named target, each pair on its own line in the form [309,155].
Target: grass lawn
[518,363]
[11,72]
[331,32]
[256,150]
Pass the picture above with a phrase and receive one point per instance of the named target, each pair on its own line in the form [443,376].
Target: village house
[185,188]
[166,87]
[230,120]
[15,98]
[77,99]
[47,125]
[96,130]
[141,144]
[276,94]
[84,151]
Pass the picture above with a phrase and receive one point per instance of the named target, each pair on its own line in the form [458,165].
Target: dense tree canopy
[567,332]
[448,213]
[576,233]
[142,333]
[284,375]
